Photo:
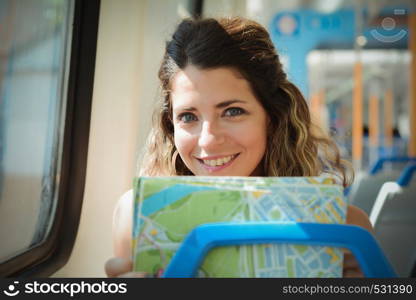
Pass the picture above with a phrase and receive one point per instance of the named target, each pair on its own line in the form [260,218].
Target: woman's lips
[220,167]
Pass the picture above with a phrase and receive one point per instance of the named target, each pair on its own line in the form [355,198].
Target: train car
[79,83]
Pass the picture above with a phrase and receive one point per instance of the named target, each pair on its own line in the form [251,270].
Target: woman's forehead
[219,84]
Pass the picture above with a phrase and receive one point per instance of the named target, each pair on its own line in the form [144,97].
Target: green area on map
[166,209]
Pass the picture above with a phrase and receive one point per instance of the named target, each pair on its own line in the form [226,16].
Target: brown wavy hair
[295,147]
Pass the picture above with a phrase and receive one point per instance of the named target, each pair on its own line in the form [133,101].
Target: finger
[134,275]
[352,273]
[350,261]
[346,251]
[118,265]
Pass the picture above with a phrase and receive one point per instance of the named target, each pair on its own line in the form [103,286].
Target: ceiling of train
[331,67]
[328,6]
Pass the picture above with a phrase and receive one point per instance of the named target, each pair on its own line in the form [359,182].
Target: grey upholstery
[366,187]
[395,227]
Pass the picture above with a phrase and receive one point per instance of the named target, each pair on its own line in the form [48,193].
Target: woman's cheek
[184,143]
[253,134]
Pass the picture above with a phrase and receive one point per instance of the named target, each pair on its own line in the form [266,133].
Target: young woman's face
[220,126]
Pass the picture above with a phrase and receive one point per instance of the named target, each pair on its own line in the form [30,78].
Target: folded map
[166,209]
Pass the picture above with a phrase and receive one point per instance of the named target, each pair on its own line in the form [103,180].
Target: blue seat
[205,237]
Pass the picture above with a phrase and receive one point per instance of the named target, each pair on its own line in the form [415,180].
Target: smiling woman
[228,110]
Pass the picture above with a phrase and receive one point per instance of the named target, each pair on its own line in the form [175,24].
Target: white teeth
[218,162]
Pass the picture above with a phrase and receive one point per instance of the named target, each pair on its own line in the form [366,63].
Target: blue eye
[234,111]
[187,117]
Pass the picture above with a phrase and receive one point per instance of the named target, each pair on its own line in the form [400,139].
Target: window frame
[51,255]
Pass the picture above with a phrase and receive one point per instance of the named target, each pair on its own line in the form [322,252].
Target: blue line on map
[168,196]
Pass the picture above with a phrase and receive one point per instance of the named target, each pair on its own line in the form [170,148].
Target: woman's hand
[121,268]
[351,268]
[355,216]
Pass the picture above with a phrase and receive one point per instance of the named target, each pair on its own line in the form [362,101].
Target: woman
[228,110]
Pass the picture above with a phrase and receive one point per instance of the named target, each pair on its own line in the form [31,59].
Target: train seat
[394,219]
[367,186]
[365,190]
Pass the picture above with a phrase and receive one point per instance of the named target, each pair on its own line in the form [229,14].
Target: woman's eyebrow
[219,105]
[229,102]
[185,109]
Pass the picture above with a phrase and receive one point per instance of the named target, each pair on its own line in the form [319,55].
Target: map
[166,209]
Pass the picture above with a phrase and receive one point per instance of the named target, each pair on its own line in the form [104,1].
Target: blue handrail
[205,237]
[380,162]
[406,175]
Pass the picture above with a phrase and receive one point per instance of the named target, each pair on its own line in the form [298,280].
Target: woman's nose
[210,135]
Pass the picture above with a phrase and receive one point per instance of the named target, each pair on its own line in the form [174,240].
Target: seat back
[394,220]
[366,188]
[367,185]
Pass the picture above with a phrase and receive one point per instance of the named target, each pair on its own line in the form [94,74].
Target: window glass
[34,54]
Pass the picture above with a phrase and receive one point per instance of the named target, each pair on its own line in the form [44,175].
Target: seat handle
[203,238]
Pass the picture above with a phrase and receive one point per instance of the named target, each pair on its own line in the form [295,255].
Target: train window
[33,85]
[39,92]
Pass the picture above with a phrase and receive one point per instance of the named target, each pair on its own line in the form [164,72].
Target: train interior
[78,83]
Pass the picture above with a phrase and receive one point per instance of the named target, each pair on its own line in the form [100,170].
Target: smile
[218,163]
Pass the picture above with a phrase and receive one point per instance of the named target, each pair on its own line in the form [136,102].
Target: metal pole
[357,104]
